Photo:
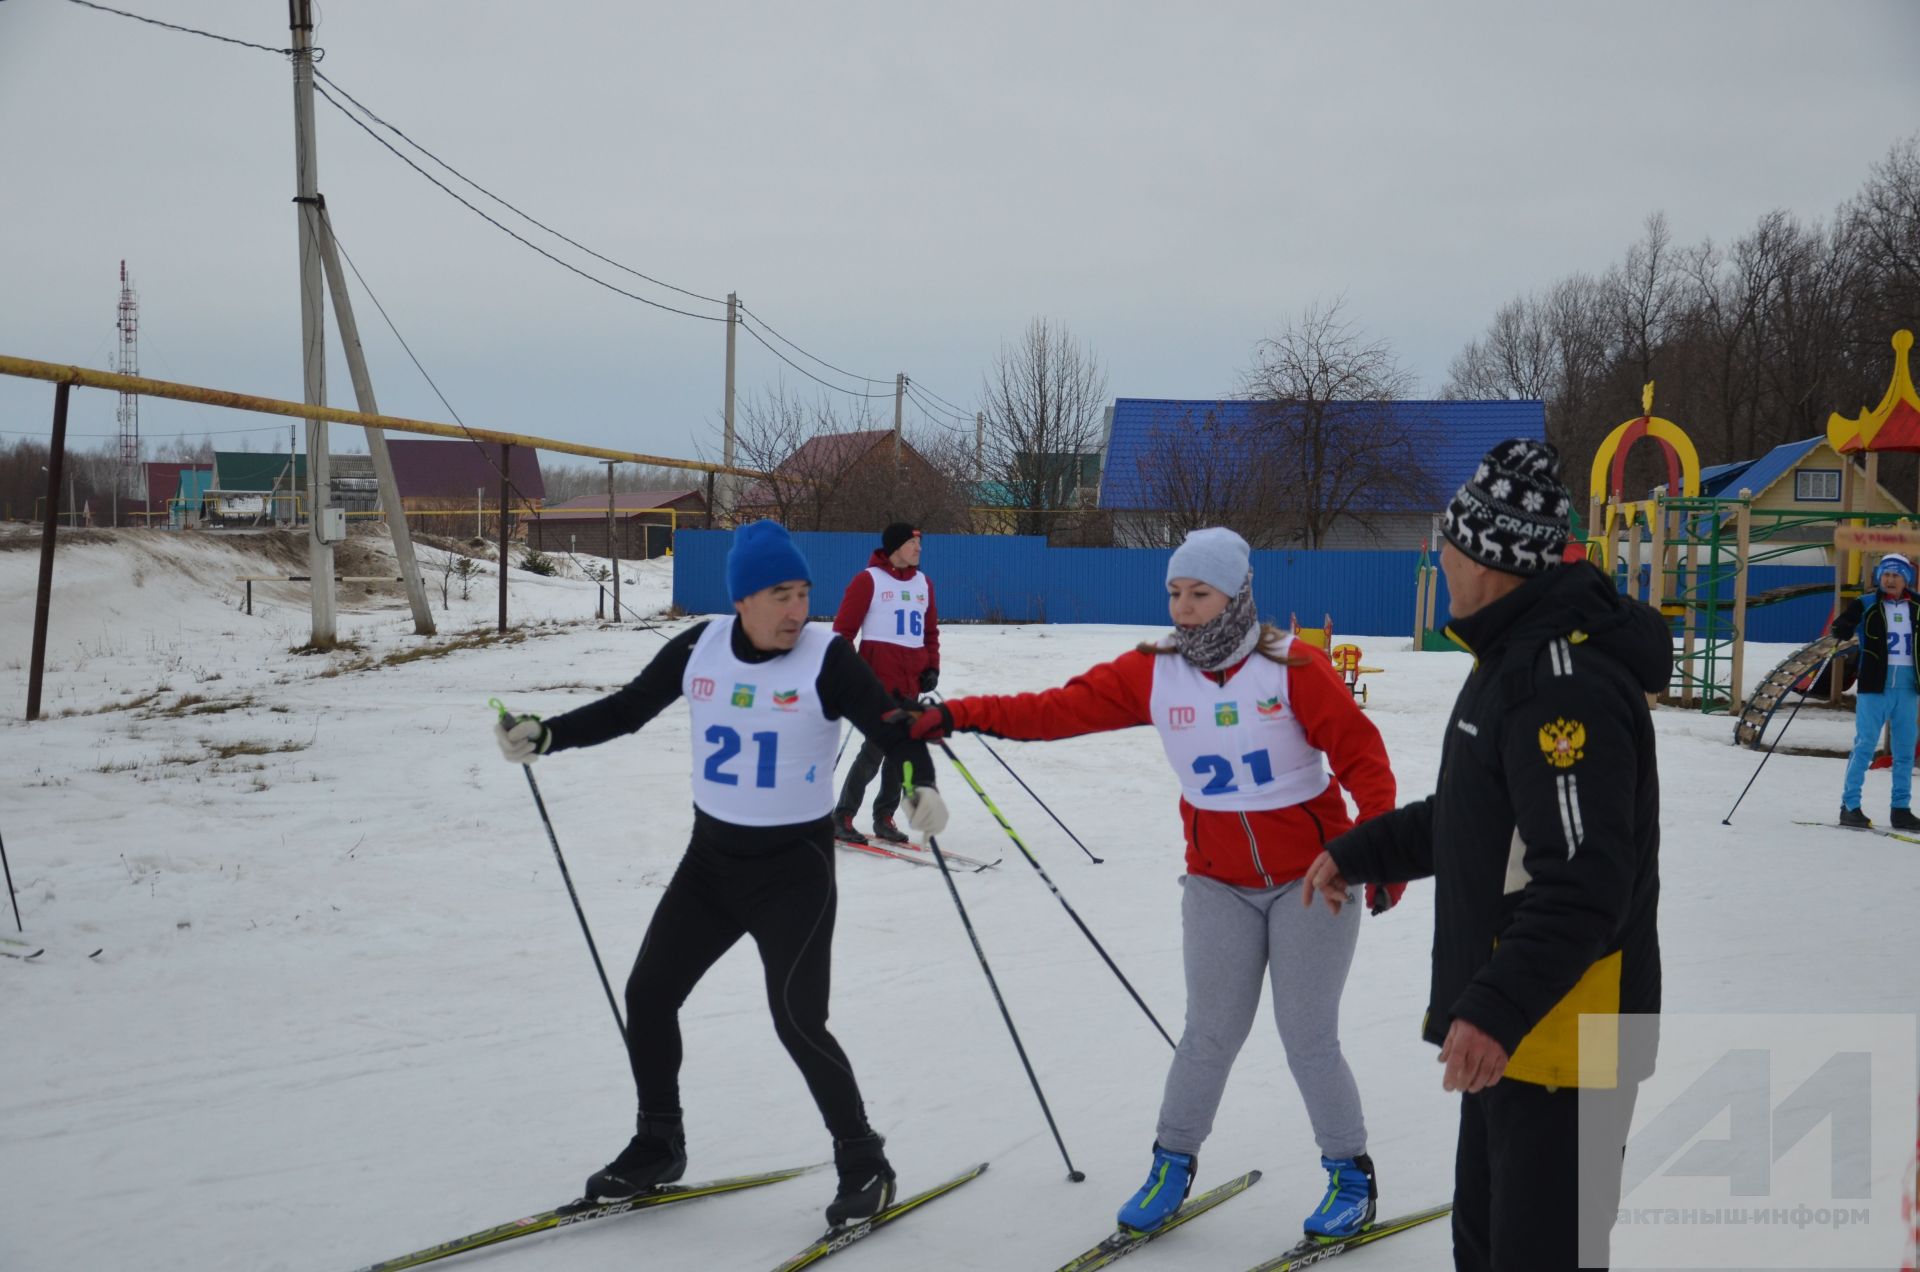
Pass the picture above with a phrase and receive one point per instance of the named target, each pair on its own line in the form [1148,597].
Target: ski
[913,856]
[834,1240]
[1871,830]
[1312,1250]
[920,853]
[26,951]
[575,1213]
[1125,1241]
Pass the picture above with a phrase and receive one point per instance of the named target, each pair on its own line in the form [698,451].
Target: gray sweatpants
[1232,938]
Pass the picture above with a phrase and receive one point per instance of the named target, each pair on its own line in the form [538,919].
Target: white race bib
[897,615]
[1235,747]
[762,744]
[1899,633]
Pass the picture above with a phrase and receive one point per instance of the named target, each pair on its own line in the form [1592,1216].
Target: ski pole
[1054,888]
[10,893]
[1728,819]
[1036,799]
[1074,1175]
[554,839]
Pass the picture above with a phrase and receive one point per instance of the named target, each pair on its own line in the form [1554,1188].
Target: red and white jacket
[868,612]
[1242,835]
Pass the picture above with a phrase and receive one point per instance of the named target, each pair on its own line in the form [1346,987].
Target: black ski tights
[786,901]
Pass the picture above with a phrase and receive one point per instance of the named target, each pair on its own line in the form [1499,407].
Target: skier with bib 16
[767,694]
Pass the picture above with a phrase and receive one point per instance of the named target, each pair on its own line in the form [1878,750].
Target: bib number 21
[1219,772]
[727,740]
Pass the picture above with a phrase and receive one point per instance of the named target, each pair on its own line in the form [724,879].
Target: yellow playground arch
[1610,510]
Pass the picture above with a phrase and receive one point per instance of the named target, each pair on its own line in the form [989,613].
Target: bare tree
[1203,470]
[1044,400]
[1323,392]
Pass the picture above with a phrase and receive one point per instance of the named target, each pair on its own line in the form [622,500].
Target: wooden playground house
[1693,554]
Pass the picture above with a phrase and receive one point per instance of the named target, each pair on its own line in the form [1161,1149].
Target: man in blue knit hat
[767,693]
[1885,694]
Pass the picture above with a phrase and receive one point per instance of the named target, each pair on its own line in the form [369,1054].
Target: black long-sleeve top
[848,691]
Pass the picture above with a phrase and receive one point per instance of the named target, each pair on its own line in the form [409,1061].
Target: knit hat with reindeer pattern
[1512,513]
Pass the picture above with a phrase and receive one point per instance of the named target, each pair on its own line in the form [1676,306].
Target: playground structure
[1692,555]
[1346,658]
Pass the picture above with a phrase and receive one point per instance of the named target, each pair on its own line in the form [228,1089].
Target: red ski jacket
[1235,848]
[897,666]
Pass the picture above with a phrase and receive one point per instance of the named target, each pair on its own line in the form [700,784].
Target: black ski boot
[843,828]
[656,1155]
[1903,819]
[885,831]
[866,1180]
[1855,818]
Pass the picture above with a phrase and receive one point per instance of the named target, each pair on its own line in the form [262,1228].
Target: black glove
[928,679]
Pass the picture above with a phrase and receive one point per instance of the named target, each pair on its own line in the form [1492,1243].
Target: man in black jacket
[1542,837]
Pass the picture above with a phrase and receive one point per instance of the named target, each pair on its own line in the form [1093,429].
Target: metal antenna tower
[128,364]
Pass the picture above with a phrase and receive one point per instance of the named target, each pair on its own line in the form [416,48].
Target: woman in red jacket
[1251,721]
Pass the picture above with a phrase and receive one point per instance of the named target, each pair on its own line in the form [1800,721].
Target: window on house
[1819,485]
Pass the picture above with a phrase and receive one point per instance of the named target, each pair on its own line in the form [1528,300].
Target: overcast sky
[895,186]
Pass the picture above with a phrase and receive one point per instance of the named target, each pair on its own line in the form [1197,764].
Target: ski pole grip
[501,707]
[906,776]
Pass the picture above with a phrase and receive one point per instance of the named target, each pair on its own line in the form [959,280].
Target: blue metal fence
[1019,579]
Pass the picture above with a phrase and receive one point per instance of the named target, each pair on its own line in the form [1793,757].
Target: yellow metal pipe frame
[113,381]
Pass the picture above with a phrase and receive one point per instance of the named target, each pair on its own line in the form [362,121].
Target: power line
[822,361]
[358,123]
[748,328]
[958,413]
[914,390]
[658,282]
[187,30]
[933,419]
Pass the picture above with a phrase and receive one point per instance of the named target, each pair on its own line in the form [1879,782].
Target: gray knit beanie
[1216,556]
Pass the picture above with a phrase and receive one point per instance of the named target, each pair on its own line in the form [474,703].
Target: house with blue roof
[1155,445]
[1803,476]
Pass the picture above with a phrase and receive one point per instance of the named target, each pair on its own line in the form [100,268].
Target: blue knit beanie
[1216,556]
[763,555]
[1897,564]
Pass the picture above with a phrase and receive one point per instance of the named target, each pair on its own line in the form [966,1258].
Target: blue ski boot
[1169,1181]
[1349,1205]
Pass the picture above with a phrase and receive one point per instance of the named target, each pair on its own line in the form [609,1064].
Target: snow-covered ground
[344,1009]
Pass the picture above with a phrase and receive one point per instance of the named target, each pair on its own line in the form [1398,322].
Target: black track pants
[785,900]
[866,763]
[1517,1202]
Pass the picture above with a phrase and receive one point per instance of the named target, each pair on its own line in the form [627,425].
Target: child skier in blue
[1886,694]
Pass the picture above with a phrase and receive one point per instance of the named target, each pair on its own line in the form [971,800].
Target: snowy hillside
[344,1009]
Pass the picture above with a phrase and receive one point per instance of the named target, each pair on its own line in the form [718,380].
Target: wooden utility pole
[728,489]
[613,543]
[376,437]
[312,321]
[43,594]
[506,457]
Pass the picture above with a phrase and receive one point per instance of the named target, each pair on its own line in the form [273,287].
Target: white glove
[926,811]
[523,741]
